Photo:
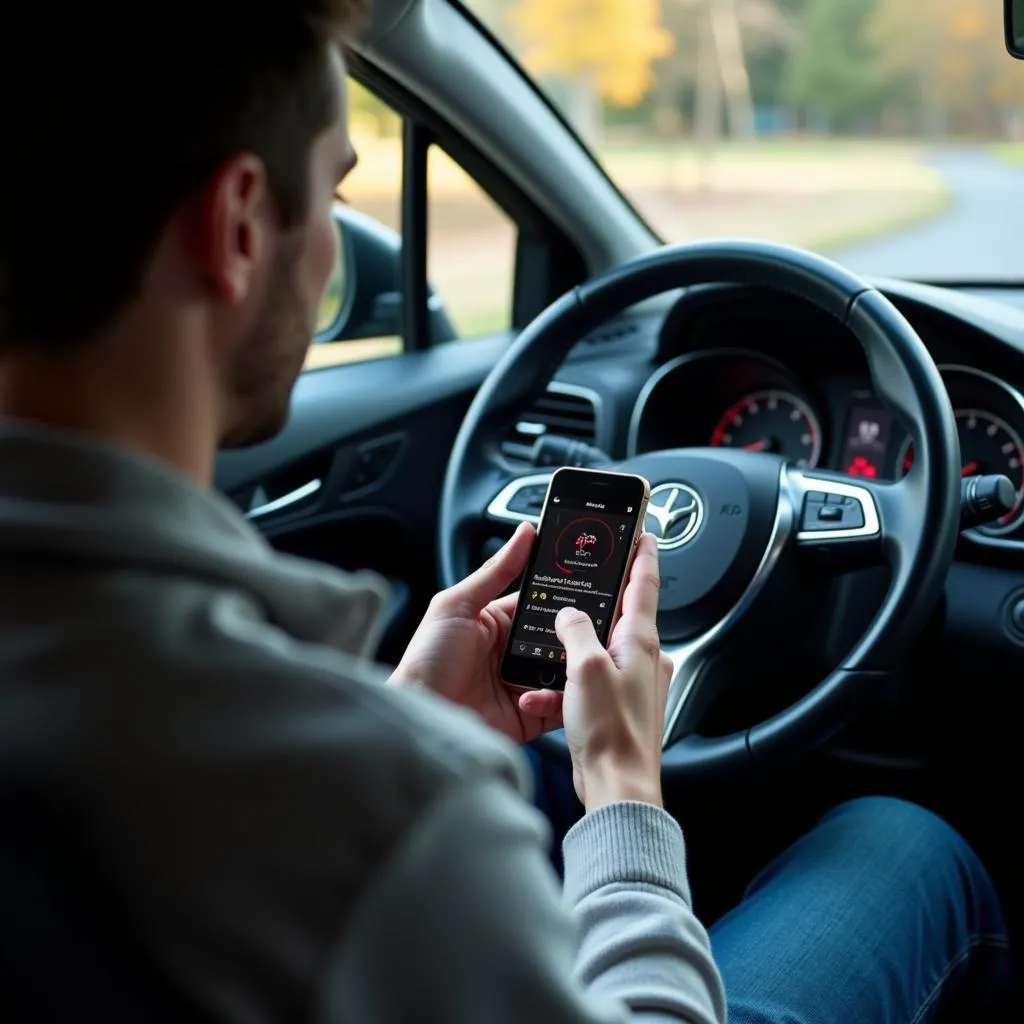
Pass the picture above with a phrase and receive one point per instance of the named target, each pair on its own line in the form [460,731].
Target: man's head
[166,185]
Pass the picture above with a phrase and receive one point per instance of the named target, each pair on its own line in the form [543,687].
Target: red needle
[970,469]
[756,446]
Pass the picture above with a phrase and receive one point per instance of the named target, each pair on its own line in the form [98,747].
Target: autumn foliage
[612,43]
[860,65]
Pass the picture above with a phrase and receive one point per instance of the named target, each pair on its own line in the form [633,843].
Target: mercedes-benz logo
[674,515]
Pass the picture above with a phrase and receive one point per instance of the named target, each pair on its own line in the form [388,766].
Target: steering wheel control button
[836,512]
[520,500]
[529,500]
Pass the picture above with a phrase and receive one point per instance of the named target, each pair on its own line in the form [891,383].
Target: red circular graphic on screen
[583,545]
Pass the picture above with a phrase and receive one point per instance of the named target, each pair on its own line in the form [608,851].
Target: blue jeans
[881,914]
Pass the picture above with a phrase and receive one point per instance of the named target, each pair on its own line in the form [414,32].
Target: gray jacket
[284,836]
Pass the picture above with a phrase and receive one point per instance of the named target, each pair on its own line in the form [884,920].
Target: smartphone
[589,529]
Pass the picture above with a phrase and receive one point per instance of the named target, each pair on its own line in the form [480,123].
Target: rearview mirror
[1013,27]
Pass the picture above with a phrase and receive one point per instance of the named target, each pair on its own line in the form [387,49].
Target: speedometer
[771,421]
[988,444]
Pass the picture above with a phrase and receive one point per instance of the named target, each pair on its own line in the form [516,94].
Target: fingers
[506,605]
[576,633]
[545,706]
[641,597]
[636,633]
[666,668]
[491,579]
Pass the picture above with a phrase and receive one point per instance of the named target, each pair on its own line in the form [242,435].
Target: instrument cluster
[745,399]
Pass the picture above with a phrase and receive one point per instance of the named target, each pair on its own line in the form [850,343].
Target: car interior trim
[431,50]
[800,482]
[307,490]
[499,506]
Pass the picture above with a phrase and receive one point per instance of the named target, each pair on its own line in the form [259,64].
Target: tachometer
[988,444]
[771,421]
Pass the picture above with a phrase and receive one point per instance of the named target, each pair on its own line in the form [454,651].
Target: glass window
[888,134]
[369,225]
[471,249]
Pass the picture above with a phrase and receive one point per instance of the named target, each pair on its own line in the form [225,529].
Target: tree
[603,48]
[726,35]
[771,32]
[833,70]
[950,54]
[715,40]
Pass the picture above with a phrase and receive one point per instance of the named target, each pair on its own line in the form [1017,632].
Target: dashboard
[749,368]
[746,399]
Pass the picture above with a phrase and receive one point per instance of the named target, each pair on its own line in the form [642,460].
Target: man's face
[265,366]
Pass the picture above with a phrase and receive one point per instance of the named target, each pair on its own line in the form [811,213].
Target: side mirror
[363,298]
[1013,27]
[339,292]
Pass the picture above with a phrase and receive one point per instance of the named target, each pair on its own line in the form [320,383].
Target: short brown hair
[108,125]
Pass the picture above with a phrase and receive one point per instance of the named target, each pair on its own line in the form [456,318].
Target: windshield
[883,133]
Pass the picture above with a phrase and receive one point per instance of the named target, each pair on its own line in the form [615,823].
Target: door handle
[291,498]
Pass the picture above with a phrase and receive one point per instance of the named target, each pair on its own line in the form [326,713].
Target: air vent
[560,410]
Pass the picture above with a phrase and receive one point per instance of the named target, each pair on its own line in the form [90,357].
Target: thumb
[576,632]
[493,578]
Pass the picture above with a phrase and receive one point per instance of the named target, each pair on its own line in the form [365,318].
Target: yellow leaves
[611,42]
[968,24]
[956,46]
[972,67]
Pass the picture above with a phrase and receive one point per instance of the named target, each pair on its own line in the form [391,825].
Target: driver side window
[470,249]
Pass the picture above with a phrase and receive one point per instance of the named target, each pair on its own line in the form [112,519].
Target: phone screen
[579,559]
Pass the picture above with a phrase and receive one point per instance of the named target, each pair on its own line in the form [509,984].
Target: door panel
[374,438]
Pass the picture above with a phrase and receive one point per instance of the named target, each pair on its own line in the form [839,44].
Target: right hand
[614,703]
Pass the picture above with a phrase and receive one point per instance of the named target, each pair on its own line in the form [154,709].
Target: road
[980,236]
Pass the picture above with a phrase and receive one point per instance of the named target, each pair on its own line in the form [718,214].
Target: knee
[883,825]
[913,859]
[910,844]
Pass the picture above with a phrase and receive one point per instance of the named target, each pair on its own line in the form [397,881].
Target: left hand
[456,651]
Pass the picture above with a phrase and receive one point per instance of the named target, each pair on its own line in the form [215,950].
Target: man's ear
[228,234]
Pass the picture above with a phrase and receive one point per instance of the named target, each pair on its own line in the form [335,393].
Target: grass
[771,150]
[772,162]
[775,146]
[1009,152]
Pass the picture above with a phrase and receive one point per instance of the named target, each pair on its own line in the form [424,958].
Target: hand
[457,650]
[614,705]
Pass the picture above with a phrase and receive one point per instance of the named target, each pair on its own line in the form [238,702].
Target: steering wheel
[754,516]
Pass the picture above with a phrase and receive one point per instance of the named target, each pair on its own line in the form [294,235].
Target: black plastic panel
[336,403]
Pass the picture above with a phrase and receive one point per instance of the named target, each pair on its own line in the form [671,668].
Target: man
[189,729]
